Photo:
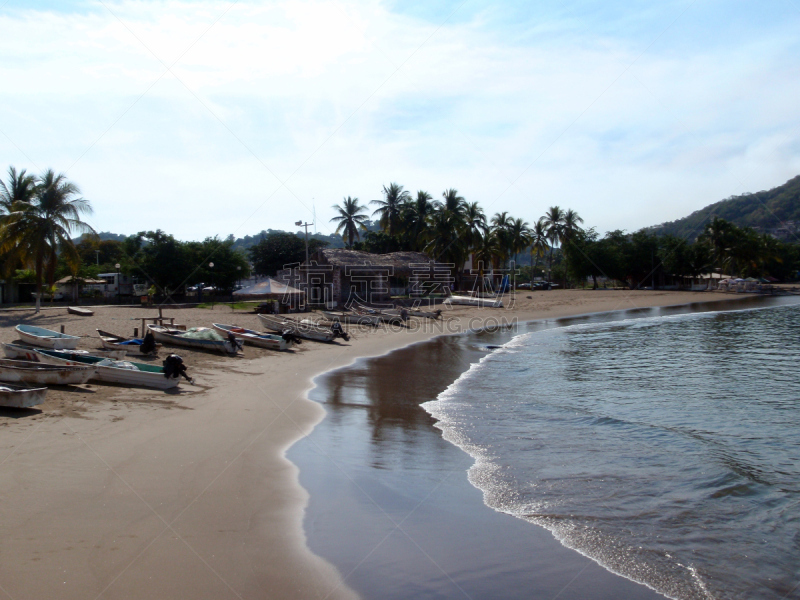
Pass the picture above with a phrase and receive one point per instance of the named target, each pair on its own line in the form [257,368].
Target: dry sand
[108,492]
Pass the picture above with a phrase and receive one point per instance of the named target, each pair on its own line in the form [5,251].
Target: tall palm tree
[38,231]
[485,251]
[501,226]
[391,207]
[475,227]
[415,219]
[519,234]
[569,228]
[350,219]
[447,243]
[539,245]
[554,221]
[718,235]
[21,187]
[453,203]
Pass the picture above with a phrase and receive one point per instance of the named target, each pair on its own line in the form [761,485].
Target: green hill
[775,211]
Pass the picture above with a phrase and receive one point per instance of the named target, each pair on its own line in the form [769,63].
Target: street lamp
[306,225]
[211,266]
[119,287]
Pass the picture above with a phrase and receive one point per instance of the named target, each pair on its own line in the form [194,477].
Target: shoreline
[128,493]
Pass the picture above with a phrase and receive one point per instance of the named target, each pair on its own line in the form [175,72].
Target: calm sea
[665,448]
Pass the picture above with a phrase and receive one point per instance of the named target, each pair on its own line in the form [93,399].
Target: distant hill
[103,235]
[776,211]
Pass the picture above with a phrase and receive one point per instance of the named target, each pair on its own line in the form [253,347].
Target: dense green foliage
[765,211]
[278,249]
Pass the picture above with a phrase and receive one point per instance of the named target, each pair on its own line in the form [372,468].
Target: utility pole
[306,225]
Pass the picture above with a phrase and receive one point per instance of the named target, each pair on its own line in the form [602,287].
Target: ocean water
[666,448]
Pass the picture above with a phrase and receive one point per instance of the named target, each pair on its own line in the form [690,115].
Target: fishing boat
[474,301]
[77,310]
[353,318]
[384,315]
[38,373]
[256,338]
[130,346]
[45,338]
[128,373]
[303,329]
[18,352]
[21,396]
[199,338]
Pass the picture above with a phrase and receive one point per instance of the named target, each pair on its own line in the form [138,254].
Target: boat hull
[254,338]
[163,335]
[83,312]
[354,319]
[469,301]
[38,373]
[301,330]
[56,341]
[12,396]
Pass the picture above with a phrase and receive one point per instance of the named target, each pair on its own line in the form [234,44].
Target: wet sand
[110,492]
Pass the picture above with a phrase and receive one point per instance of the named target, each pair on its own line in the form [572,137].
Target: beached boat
[130,346]
[77,310]
[18,352]
[304,329]
[133,374]
[45,338]
[384,315]
[474,301]
[256,338]
[353,318]
[21,396]
[38,373]
[199,338]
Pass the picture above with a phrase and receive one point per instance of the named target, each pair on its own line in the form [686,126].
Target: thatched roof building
[336,275]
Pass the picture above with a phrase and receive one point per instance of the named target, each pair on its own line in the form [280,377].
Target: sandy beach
[110,492]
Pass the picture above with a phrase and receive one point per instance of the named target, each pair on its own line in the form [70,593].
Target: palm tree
[485,250]
[447,243]
[38,231]
[501,226]
[350,219]
[538,241]
[553,221]
[391,207]
[415,219]
[570,226]
[21,188]
[717,234]
[519,234]
[453,203]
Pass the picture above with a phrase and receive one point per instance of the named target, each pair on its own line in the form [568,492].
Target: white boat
[82,312]
[27,353]
[111,371]
[211,340]
[256,338]
[38,373]
[21,396]
[383,315]
[474,301]
[45,338]
[354,318]
[130,346]
[303,329]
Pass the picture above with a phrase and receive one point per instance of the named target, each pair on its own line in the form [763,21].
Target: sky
[209,117]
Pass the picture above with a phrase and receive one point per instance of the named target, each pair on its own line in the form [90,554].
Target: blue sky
[630,113]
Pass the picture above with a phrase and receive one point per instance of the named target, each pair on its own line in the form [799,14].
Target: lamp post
[211,266]
[306,225]
[119,286]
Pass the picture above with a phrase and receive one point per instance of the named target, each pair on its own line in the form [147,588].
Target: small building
[337,276]
[116,284]
[72,288]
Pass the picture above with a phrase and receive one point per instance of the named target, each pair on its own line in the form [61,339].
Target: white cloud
[310,90]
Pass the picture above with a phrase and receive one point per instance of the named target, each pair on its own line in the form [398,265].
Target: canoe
[27,353]
[472,301]
[130,346]
[353,318]
[21,396]
[303,329]
[45,338]
[384,316]
[177,337]
[38,373]
[255,338]
[83,312]
[110,371]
